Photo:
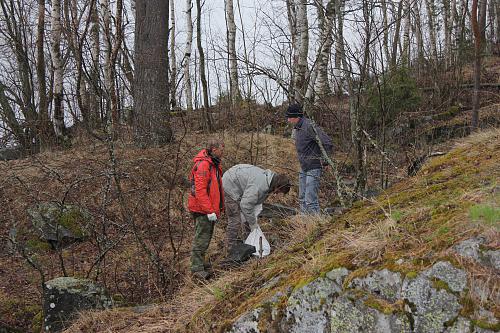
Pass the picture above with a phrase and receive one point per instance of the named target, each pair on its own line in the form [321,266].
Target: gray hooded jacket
[248,185]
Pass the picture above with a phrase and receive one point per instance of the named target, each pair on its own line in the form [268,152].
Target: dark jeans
[203,232]
[236,231]
[308,191]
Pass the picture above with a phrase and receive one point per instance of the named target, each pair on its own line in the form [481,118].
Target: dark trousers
[237,230]
[203,232]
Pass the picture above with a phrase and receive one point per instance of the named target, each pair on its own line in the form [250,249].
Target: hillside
[405,230]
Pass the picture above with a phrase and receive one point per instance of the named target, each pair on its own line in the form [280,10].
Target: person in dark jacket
[310,157]
[205,202]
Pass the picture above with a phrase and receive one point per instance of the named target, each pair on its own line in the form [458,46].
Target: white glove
[212,217]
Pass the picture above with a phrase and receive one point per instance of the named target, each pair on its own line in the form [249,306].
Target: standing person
[245,187]
[205,202]
[310,157]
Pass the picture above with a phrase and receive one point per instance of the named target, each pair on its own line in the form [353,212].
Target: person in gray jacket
[245,187]
[310,157]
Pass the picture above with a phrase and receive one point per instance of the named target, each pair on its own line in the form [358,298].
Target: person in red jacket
[205,202]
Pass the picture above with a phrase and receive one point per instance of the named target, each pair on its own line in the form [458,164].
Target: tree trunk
[395,41]
[447,30]
[325,45]
[234,89]
[339,48]
[115,112]
[151,86]
[431,13]
[405,56]
[187,56]
[386,31]
[302,51]
[292,26]
[94,77]
[45,128]
[173,60]
[203,77]
[58,68]
[418,36]
[478,18]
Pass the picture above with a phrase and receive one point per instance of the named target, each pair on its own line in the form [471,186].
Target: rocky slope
[422,257]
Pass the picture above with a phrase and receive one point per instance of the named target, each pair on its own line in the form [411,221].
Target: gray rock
[8,154]
[384,283]
[64,297]
[347,316]
[492,258]
[470,248]
[338,275]
[462,325]
[430,308]
[307,307]
[247,323]
[59,225]
[444,271]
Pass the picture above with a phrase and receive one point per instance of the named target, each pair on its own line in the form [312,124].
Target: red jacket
[206,194]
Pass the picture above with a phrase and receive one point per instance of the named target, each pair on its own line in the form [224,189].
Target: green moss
[486,325]
[37,322]
[411,275]
[382,305]
[440,285]
[37,245]
[485,213]
[72,219]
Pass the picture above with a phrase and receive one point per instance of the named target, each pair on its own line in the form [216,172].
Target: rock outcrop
[382,301]
[65,296]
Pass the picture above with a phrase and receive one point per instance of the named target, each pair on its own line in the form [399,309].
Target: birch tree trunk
[386,30]
[405,56]
[112,61]
[45,129]
[418,36]
[339,49]
[302,49]
[151,86]
[326,42]
[292,26]
[454,26]
[431,13]
[395,40]
[173,61]
[447,31]
[234,89]
[106,24]
[203,78]
[58,68]
[187,56]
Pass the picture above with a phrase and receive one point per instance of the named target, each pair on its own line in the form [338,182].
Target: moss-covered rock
[60,224]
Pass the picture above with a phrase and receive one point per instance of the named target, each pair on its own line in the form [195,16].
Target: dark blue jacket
[307,148]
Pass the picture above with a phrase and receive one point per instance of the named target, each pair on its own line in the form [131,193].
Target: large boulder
[60,225]
[64,297]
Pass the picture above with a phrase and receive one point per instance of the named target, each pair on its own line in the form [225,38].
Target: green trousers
[203,232]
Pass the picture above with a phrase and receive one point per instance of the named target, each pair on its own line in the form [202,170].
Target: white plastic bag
[257,238]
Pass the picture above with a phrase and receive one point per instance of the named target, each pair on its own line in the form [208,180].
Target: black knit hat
[294,111]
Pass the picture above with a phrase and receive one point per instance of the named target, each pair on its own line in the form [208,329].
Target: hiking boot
[202,275]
